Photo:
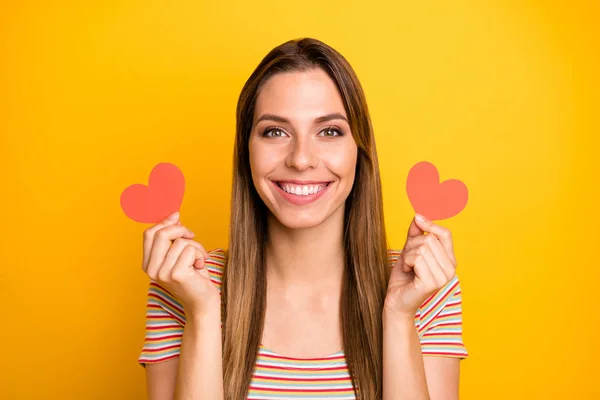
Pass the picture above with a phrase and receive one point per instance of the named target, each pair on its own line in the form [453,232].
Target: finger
[438,251]
[184,266]
[149,236]
[173,254]
[161,244]
[443,234]
[437,273]
[186,241]
[413,243]
[423,280]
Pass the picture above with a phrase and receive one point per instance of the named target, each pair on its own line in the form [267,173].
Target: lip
[297,182]
[301,200]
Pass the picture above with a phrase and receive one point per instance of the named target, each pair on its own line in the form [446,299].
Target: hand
[176,262]
[426,264]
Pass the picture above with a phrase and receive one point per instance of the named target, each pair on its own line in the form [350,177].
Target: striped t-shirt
[438,322]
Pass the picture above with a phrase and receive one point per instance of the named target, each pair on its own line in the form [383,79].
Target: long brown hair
[366,273]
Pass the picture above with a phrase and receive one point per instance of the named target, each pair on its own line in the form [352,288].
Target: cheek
[262,160]
[343,162]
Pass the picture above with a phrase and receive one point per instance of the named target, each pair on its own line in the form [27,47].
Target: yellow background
[501,95]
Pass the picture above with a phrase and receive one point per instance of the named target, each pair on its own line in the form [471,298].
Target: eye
[273,132]
[331,132]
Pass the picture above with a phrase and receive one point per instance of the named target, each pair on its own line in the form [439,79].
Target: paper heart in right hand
[155,202]
[434,199]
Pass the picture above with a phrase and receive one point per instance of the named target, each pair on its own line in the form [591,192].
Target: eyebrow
[318,120]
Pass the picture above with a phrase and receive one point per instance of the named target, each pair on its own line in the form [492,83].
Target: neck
[308,257]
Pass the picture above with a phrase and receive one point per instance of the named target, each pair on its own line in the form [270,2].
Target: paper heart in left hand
[162,197]
[431,198]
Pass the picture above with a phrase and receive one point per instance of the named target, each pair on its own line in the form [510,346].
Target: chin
[299,221]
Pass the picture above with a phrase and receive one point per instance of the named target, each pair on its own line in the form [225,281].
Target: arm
[403,367]
[196,370]
[166,339]
[164,335]
[407,374]
[443,375]
[427,260]
[160,379]
[438,341]
[200,372]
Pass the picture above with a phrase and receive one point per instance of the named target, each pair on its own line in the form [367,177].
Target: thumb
[416,227]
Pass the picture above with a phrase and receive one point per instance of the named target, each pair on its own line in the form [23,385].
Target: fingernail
[420,218]
[174,216]
[191,233]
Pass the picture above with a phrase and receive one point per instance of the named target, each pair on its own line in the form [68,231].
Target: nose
[302,155]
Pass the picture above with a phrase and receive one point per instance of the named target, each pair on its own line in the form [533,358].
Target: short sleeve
[439,323]
[165,321]
[165,318]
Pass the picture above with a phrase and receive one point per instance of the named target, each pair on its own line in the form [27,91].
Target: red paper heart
[431,198]
[158,200]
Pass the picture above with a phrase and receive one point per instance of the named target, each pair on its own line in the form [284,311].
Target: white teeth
[302,190]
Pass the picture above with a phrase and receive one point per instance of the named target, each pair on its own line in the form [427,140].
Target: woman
[311,301]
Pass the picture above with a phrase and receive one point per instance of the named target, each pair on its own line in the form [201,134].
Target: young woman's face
[302,153]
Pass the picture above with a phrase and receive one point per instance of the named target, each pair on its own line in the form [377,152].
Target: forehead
[299,95]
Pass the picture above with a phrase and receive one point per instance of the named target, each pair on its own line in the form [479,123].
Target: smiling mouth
[302,190]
